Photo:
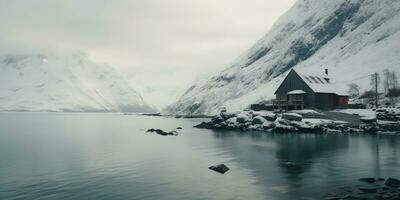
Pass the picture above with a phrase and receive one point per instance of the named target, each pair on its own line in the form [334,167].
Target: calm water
[109,156]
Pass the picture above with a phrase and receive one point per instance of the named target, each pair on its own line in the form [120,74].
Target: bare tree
[393,91]
[393,81]
[386,82]
[354,90]
[390,80]
[375,80]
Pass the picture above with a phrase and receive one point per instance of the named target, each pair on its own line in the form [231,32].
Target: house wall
[294,82]
[325,101]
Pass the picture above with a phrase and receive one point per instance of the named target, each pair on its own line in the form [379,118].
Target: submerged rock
[367,180]
[221,168]
[392,182]
[373,189]
[368,190]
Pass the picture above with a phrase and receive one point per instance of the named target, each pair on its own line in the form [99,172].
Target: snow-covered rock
[359,112]
[70,82]
[352,38]
[252,121]
[258,120]
[292,116]
[243,117]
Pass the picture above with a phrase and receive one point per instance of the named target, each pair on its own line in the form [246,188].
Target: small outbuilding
[300,90]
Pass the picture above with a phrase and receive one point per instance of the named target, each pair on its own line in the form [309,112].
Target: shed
[301,89]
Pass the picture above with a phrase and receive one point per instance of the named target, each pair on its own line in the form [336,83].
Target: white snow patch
[359,112]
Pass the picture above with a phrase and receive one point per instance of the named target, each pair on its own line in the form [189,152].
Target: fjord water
[110,156]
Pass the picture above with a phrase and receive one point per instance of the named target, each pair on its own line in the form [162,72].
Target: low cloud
[161,45]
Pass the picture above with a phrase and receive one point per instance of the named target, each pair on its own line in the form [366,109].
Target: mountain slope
[352,38]
[64,83]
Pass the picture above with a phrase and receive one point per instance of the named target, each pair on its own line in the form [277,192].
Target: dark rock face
[302,49]
[163,133]
[221,168]
[257,55]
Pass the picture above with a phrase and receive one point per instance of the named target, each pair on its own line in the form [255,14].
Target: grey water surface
[84,156]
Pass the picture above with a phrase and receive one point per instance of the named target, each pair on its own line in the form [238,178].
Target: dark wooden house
[309,90]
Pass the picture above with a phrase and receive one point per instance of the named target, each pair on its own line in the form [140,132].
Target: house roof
[320,82]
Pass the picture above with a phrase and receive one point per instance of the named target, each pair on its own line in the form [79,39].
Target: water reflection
[110,156]
[296,166]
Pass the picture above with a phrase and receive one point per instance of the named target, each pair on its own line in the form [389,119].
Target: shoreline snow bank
[290,122]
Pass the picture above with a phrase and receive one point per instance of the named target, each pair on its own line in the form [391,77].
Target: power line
[356,79]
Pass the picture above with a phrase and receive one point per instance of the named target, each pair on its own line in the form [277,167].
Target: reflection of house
[304,90]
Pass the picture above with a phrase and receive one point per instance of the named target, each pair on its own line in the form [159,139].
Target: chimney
[326,71]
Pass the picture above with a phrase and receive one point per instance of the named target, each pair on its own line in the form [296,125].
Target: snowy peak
[50,82]
[350,37]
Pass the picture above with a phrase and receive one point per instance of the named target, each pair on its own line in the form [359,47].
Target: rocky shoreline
[385,121]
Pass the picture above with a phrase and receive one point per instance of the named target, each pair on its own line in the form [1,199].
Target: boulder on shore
[221,168]
[270,116]
[258,120]
[368,120]
[243,118]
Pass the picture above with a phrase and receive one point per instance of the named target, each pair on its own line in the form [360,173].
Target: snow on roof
[297,92]
[320,82]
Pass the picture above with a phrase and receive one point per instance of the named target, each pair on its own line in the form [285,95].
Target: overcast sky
[161,45]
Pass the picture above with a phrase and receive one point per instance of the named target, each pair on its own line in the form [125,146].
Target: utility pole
[376,90]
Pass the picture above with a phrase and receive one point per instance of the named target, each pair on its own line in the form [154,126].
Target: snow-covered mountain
[352,38]
[54,82]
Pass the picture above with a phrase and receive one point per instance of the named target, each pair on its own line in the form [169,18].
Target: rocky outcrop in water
[221,168]
[163,133]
